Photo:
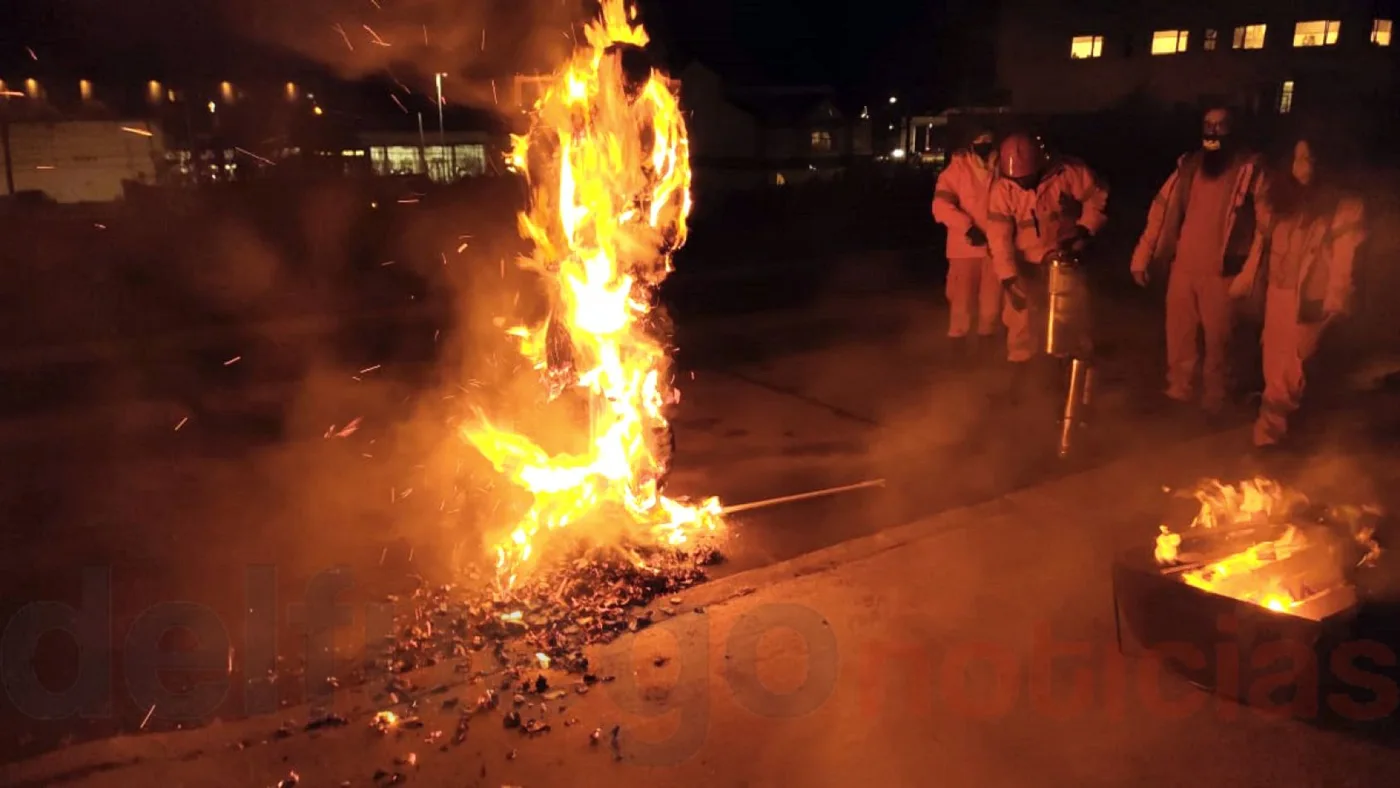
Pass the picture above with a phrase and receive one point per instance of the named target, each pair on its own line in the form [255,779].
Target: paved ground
[981,639]
[854,388]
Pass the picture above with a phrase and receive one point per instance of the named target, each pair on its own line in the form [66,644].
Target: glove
[1015,293]
[1076,239]
[976,236]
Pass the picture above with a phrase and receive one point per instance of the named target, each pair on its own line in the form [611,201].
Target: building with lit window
[1080,56]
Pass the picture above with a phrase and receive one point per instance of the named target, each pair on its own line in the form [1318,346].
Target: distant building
[454,155]
[81,161]
[1081,56]
[751,135]
[231,129]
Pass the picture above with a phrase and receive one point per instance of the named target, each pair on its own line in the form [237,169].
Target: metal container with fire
[1250,599]
[1068,335]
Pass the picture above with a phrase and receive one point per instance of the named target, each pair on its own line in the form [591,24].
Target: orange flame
[608,162]
[1223,506]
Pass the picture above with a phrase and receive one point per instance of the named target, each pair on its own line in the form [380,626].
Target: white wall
[83,161]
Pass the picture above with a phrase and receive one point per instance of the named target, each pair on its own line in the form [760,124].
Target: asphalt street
[178,504]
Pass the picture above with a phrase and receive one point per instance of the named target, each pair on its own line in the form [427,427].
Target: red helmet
[1022,156]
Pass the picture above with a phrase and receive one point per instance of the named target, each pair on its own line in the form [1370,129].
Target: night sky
[861,47]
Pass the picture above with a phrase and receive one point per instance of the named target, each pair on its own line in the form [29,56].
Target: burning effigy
[607,161]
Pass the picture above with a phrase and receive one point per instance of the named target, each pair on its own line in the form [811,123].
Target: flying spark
[344,37]
[376,40]
[255,156]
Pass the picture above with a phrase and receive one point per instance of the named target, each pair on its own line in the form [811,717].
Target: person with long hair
[1301,264]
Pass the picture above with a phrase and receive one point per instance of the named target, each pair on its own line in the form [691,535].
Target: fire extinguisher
[1068,336]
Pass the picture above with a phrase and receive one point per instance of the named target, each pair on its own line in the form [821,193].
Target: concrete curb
[123,752]
[950,520]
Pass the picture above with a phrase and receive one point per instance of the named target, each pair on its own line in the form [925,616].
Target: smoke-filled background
[474,43]
[273,372]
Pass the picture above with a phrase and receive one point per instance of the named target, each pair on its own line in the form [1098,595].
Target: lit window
[1285,98]
[1084,47]
[1208,44]
[291,90]
[31,88]
[821,141]
[154,91]
[85,89]
[1318,33]
[1380,32]
[1250,36]
[1169,42]
[226,93]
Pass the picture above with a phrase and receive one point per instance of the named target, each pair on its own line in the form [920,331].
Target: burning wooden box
[1254,583]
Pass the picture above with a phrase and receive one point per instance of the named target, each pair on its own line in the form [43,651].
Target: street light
[442,134]
[893,100]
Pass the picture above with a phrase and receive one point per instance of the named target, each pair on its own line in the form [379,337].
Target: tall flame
[607,158]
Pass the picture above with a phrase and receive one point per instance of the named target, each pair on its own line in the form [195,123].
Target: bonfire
[607,160]
[1255,542]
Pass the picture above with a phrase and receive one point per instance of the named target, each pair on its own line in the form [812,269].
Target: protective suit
[1199,230]
[1039,204]
[1302,262]
[960,204]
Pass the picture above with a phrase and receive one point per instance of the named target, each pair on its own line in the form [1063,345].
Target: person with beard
[1199,229]
[1301,260]
[1040,203]
[960,204]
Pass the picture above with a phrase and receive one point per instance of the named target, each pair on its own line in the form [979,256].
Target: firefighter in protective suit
[1301,263]
[1040,205]
[960,204]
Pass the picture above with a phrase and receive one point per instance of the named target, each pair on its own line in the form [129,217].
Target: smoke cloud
[474,42]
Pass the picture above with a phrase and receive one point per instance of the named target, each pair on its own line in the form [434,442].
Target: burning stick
[139,132]
[744,507]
